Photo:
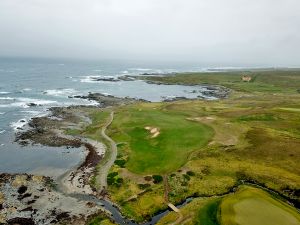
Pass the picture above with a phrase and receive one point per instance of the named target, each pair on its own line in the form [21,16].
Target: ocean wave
[60,92]
[2,131]
[2,113]
[26,89]
[31,112]
[140,69]
[92,103]
[89,79]
[98,79]
[7,98]
[4,92]
[26,102]
[4,105]
[19,124]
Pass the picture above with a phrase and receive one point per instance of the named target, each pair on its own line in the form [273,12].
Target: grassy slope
[254,206]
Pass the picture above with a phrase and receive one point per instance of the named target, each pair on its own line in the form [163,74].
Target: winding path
[110,157]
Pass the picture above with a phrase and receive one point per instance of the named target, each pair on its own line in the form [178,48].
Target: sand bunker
[154,131]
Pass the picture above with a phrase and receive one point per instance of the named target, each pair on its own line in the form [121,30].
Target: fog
[231,32]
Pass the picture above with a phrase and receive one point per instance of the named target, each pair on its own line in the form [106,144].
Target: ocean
[28,87]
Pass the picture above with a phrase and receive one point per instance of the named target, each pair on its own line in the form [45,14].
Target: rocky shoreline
[29,199]
[109,100]
[215,91]
[48,130]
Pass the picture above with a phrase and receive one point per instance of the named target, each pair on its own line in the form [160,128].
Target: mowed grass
[169,150]
[250,206]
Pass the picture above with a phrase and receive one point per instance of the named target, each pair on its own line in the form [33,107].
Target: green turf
[208,215]
[252,206]
[165,153]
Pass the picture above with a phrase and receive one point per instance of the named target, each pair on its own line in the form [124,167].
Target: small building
[246,78]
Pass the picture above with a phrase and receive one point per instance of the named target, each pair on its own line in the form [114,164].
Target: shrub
[119,180]
[190,173]
[120,162]
[186,177]
[144,186]
[157,179]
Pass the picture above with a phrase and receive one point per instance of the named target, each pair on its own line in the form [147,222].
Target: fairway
[252,206]
[165,152]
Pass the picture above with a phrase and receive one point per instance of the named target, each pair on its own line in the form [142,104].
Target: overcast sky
[232,32]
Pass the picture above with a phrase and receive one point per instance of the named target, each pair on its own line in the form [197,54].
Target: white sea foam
[140,69]
[19,124]
[93,103]
[26,89]
[89,79]
[2,113]
[95,79]
[2,131]
[25,102]
[60,92]
[4,92]
[31,112]
[6,98]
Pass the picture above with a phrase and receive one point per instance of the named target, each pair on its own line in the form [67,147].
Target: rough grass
[263,81]
[100,220]
[253,206]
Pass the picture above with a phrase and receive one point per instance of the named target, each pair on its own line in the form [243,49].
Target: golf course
[207,150]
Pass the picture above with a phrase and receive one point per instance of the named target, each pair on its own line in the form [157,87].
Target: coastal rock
[31,104]
[31,200]
[127,78]
[166,99]
[109,100]
[110,79]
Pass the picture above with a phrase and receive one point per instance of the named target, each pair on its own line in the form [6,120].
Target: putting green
[252,206]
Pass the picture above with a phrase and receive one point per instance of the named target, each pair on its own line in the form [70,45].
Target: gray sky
[245,32]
